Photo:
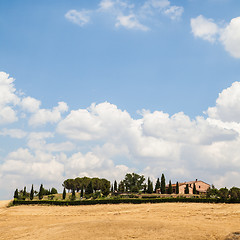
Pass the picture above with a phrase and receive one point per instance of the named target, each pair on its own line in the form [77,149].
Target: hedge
[118,201]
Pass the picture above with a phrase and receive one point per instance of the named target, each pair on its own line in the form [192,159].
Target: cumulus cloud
[228,35]
[227,107]
[13,133]
[80,18]
[43,116]
[8,99]
[204,28]
[127,14]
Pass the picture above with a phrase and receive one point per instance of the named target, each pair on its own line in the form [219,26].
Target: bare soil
[123,221]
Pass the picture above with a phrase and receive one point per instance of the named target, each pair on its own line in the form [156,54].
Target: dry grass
[124,221]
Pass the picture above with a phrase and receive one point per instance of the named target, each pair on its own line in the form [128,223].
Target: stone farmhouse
[201,187]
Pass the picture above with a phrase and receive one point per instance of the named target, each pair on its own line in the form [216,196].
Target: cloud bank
[105,141]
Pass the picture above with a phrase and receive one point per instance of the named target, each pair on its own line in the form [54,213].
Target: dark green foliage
[73,197]
[89,188]
[32,193]
[150,186]
[223,193]
[16,194]
[212,192]
[234,193]
[163,184]
[177,188]
[186,191]
[54,191]
[133,182]
[115,186]
[170,188]
[121,187]
[194,189]
[81,194]
[105,187]
[24,195]
[118,201]
[64,194]
[112,189]
[157,185]
[144,188]
[41,192]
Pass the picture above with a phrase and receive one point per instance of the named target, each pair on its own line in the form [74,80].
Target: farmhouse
[201,187]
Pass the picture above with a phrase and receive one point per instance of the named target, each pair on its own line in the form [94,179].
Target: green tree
[177,188]
[133,182]
[170,188]
[234,193]
[194,189]
[32,193]
[163,184]
[115,186]
[89,188]
[223,193]
[150,186]
[54,191]
[121,187]
[112,188]
[73,197]
[24,193]
[105,186]
[186,191]
[157,185]
[41,192]
[81,194]
[64,194]
[16,194]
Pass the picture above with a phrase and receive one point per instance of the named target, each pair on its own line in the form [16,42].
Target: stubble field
[123,221]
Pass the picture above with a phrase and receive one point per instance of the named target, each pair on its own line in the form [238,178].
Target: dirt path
[124,221]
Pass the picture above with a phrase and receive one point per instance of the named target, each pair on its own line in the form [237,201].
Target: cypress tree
[157,186]
[16,194]
[150,186]
[81,194]
[177,188]
[115,186]
[40,194]
[24,193]
[73,194]
[32,193]
[64,194]
[89,188]
[170,187]
[186,189]
[121,187]
[163,184]
[194,189]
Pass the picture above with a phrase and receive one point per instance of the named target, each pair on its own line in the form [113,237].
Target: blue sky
[165,57]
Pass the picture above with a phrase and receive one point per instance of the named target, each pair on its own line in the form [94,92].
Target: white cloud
[30,104]
[204,28]
[127,14]
[228,36]
[8,99]
[43,116]
[227,106]
[80,18]
[174,12]
[13,133]
[130,22]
